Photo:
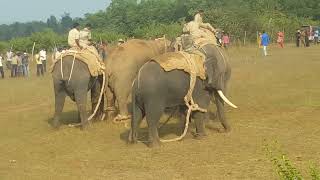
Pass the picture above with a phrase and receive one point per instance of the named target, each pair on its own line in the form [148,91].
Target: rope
[61,67]
[188,99]
[100,97]
[74,58]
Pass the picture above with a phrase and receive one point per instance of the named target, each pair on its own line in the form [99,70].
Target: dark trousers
[44,64]
[298,42]
[14,70]
[39,69]
[1,72]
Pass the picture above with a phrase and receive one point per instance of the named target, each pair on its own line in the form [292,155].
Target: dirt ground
[278,98]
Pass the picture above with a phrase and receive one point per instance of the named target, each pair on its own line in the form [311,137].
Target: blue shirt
[265,39]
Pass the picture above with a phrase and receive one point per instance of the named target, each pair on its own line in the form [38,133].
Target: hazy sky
[29,10]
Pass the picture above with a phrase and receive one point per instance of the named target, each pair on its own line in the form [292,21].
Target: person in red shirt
[225,40]
[280,39]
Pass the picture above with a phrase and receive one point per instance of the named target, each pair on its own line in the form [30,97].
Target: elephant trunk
[226,99]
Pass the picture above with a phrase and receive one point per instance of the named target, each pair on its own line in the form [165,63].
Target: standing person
[303,38]
[308,38]
[9,59]
[14,65]
[316,36]
[20,68]
[259,39]
[280,39]
[1,67]
[39,65]
[265,40]
[43,58]
[225,40]
[298,36]
[25,64]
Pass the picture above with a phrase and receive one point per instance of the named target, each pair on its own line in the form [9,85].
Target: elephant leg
[199,119]
[221,113]
[153,114]
[111,109]
[81,100]
[135,123]
[60,96]
[122,99]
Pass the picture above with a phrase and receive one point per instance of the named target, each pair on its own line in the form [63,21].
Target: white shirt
[0,61]
[43,55]
[9,56]
[73,35]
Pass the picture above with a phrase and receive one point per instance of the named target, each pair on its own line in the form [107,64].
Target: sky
[35,10]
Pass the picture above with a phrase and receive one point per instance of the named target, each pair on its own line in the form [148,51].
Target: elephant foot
[132,138]
[121,119]
[84,127]
[56,124]
[154,144]
[199,136]
[225,130]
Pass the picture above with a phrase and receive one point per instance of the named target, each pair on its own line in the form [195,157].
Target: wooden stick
[34,44]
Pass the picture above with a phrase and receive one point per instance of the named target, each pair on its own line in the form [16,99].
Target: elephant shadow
[167,131]
[66,118]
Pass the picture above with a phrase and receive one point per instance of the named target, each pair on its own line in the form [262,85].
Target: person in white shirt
[9,59]
[43,58]
[74,37]
[1,67]
[316,36]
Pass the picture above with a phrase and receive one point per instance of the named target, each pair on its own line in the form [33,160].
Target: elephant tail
[133,99]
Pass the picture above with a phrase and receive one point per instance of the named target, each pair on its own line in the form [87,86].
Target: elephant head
[217,71]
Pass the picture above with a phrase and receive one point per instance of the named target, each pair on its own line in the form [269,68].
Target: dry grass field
[278,98]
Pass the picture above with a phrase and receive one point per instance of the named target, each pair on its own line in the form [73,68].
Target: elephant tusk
[226,99]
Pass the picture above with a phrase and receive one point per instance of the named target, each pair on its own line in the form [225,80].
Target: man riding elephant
[123,65]
[203,38]
[75,72]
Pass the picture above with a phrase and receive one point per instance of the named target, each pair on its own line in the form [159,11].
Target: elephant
[154,89]
[122,66]
[77,88]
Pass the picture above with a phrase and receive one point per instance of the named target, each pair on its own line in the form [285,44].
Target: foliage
[154,18]
[284,167]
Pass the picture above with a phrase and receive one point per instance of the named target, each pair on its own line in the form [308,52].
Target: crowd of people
[18,63]
[305,36]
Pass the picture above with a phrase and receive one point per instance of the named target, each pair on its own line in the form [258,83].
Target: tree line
[153,18]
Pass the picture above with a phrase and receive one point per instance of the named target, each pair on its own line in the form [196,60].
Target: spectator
[316,37]
[225,40]
[265,40]
[39,65]
[259,39]
[1,67]
[25,64]
[308,38]
[280,39]
[9,58]
[19,68]
[298,36]
[43,58]
[14,65]
[303,38]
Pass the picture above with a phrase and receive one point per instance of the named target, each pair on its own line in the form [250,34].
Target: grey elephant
[155,89]
[77,88]
[123,65]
